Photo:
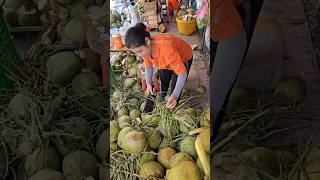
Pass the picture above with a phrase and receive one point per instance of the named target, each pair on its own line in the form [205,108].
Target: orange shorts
[173,5]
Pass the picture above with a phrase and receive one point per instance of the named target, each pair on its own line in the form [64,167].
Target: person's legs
[228,59]
[165,76]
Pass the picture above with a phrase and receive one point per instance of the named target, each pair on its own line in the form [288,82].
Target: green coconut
[19,104]
[200,90]
[129,83]
[80,164]
[75,31]
[130,59]
[113,18]
[179,157]
[165,143]
[113,147]
[187,146]
[80,129]
[121,135]
[263,157]
[291,90]
[104,173]
[142,106]
[134,114]
[185,170]
[102,146]
[40,159]
[312,171]
[134,142]
[165,155]
[123,112]
[47,174]
[63,67]
[171,131]
[79,9]
[65,2]
[147,156]
[239,99]
[136,87]
[124,121]
[132,72]
[90,59]
[29,19]
[155,140]
[117,95]
[114,131]
[151,170]
[314,154]
[86,84]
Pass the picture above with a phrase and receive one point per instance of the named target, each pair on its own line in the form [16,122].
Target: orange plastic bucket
[116,38]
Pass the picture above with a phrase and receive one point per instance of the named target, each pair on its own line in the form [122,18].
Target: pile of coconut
[161,144]
[53,122]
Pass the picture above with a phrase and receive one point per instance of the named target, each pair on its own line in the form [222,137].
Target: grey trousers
[227,62]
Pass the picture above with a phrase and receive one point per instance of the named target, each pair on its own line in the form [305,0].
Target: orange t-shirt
[169,52]
[225,19]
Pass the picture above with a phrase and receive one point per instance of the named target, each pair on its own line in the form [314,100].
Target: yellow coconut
[185,170]
[150,170]
[165,155]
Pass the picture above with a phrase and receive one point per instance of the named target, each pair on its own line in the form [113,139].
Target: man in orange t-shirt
[228,33]
[170,54]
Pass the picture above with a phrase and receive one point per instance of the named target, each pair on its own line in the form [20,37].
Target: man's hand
[172,102]
[149,89]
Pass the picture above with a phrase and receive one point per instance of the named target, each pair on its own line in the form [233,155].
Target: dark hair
[135,36]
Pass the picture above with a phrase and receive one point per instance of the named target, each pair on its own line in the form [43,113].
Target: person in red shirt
[170,54]
[172,8]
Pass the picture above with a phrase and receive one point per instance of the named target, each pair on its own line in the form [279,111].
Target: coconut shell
[86,84]
[179,157]
[147,156]
[165,155]
[114,131]
[154,139]
[19,104]
[129,83]
[165,143]
[63,67]
[75,31]
[121,135]
[151,169]
[187,146]
[40,159]
[134,142]
[47,174]
[239,99]
[124,121]
[80,164]
[263,157]
[102,145]
[185,170]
